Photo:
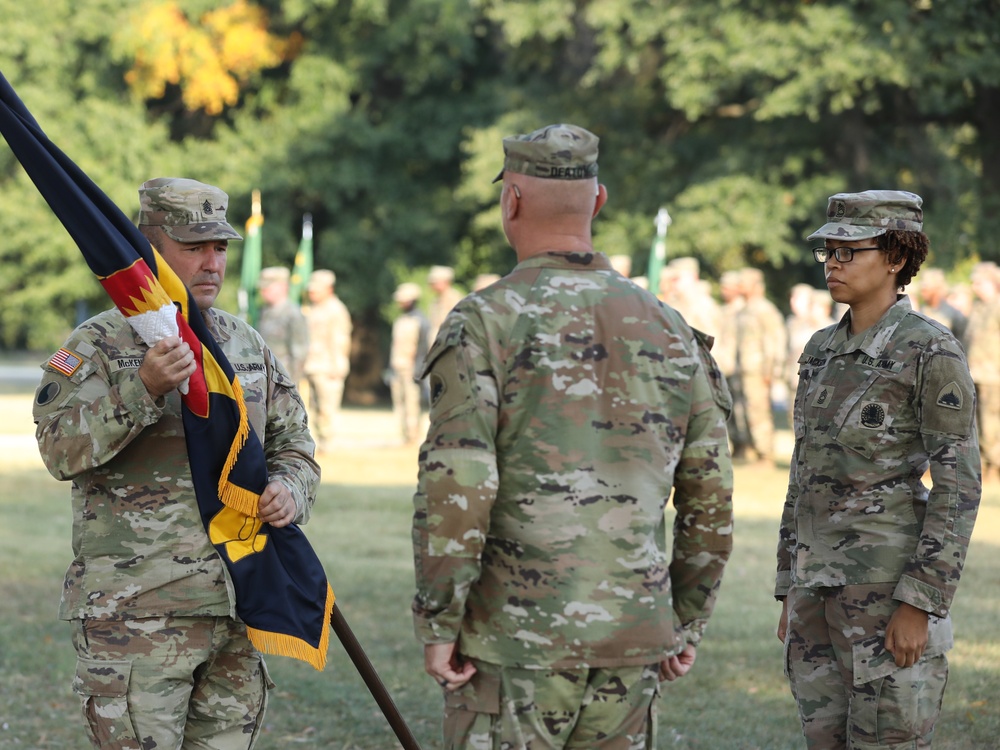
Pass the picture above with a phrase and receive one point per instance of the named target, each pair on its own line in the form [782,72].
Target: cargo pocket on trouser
[103,686]
[894,706]
[471,712]
[265,693]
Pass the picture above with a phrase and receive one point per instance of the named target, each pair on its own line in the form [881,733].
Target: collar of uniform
[876,337]
[216,326]
[592,261]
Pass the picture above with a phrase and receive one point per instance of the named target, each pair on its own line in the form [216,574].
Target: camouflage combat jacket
[871,414]
[286,332]
[566,404]
[140,547]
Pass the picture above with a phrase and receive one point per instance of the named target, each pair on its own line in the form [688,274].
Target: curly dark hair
[909,246]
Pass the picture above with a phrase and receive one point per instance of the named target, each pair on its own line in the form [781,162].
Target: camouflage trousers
[506,708]
[988,407]
[323,396]
[759,414]
[406,404]
[191,683]
[849,691]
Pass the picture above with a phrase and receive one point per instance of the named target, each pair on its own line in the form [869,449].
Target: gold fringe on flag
[279,644]
[233,496]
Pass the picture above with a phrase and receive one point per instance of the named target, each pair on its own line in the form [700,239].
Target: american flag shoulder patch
[66,362]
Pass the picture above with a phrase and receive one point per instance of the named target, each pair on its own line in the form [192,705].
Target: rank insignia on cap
[950,396]
[207,207]
[66,362]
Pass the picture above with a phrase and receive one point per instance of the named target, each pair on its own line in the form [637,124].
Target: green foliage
[384,122]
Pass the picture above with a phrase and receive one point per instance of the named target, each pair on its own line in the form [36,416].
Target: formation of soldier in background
[757,349]
[755,346]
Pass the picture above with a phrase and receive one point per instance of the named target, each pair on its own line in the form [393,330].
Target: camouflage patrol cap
[321,279]
[274,275]
[440,273]
[188,211]
[861,216]
[557,152]
[407,292]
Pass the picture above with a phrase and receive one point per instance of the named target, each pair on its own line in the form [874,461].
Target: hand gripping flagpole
[372,680]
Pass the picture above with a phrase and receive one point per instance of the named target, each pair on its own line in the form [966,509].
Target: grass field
[735,698]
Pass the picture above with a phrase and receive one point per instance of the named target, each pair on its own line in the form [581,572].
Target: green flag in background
[303,262]
[250,271]
[658,251]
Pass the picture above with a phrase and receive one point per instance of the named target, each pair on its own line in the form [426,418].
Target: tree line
[383,119]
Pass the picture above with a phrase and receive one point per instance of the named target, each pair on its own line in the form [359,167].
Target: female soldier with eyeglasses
[868,557]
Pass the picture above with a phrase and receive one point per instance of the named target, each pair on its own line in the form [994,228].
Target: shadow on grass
[734,698]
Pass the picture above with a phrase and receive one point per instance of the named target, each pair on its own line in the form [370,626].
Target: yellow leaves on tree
[209,58]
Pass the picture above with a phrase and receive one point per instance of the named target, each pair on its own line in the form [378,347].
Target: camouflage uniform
[147,590]
[327,364]
[442,301]
[565,405]
[760,360]
[406,357]
[860,532]
[286,332]
[982,342]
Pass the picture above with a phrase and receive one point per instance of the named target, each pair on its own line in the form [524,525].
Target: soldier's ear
[602,198]
[511,201]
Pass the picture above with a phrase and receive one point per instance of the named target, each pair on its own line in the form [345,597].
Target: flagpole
[372,680]
[303,265]
[250,271]
[658,252]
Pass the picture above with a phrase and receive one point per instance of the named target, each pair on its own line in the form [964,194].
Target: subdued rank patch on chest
[438,387]
[66,362]
[823,397]
[47,392]
[950,396]
[872,415]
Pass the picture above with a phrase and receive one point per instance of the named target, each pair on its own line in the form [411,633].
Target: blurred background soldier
[690,298]
[282,323]
[406,357]
[440,280]
[823,308]
[622,264]
[982,346]
[725,356]
[933,291]
[329,358]
[760,359]
[800,326]
[666,291]
[483,280]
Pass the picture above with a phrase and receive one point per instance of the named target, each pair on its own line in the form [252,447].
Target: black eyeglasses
[842,254]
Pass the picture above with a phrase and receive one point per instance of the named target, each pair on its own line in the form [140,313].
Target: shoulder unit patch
[950,396]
